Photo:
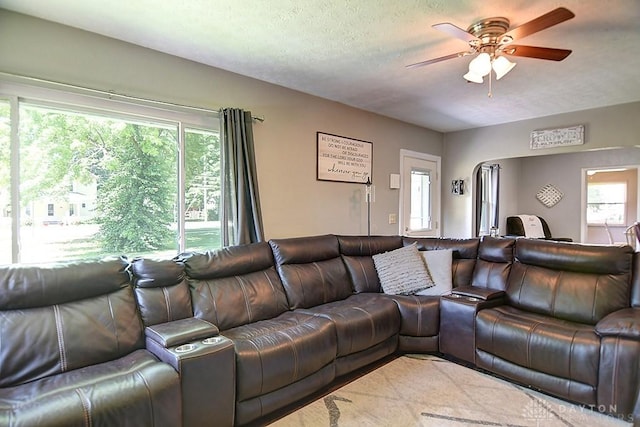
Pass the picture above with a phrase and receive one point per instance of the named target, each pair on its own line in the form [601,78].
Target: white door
[420,194]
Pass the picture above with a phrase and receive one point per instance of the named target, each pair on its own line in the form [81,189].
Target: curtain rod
[114,95]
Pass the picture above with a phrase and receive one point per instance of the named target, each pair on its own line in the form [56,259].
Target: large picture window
[5,182]
[94,182]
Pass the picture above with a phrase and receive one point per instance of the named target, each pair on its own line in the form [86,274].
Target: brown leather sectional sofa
[228,337]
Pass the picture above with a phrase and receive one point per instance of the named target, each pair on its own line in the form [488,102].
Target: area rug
[422,390]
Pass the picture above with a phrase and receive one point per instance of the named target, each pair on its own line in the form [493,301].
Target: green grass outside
[57,243]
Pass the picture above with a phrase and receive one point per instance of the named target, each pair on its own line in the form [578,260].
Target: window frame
[623,204]
[408,159]
[69,98]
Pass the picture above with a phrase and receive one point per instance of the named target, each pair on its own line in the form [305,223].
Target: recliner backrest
[495,257]
[161,290]
[311,270]
[357,252]
[580,283]
[60,317]
[235,285]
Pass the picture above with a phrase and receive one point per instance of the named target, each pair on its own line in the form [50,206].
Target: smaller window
[50,209]
[420,200]
[607,203]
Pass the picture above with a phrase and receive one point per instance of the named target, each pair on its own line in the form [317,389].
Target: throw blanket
[532,226]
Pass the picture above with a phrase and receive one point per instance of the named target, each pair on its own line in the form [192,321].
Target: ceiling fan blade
[547,20]
[453,31]
[434,60]
[536,52]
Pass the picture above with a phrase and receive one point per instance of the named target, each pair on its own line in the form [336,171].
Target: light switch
[393,218]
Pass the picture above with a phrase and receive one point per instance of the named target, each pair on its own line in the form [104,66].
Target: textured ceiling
[355,51]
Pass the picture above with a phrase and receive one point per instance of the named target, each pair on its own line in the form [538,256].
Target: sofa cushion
[161,290]
[419,314]
[274,353]
[235,285]
[580,283]
[31,286]
[541,343]
[362,321]
[439,266]
[74,315]
[133,390]
[465,253]
[362,273]
[357,252]
[495,258]
[311,270]
[368,245]
[402,271]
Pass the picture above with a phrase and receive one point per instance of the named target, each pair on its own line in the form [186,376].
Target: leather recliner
[72,350]
[515,228]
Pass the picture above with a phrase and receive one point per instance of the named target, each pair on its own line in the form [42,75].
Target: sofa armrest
[180,332]
[623,323]
[484,294]
[205,362]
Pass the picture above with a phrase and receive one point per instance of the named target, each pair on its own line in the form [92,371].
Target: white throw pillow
[402,271]
[439,266]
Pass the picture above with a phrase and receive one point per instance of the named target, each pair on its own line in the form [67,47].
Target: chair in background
[609,234]
[516,227]
[632,234]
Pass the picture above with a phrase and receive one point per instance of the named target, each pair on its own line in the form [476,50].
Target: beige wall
[294,203]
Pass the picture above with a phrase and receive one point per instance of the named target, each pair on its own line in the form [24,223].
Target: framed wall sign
[557,137]
[343,159]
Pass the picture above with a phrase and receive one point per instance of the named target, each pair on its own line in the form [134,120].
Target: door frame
[436,193]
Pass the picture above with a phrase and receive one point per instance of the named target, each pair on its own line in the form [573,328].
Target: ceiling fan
[491,39]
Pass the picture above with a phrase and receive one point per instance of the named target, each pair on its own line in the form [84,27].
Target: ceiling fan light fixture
[473,77]
[502,66]
[492,37]
[480,65]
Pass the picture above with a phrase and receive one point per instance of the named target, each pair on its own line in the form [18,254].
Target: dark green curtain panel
[241,219]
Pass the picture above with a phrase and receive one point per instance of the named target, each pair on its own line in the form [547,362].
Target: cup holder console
[185,348]
[212,340]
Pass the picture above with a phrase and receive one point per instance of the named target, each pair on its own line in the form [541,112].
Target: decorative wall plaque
[344,159]
[549,195]
[550,138]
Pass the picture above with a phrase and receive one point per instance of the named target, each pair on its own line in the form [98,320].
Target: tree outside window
[96,185]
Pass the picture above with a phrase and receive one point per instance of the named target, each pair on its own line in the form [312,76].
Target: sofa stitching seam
[61,346]
[86,406]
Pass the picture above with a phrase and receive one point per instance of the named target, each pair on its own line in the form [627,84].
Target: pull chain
[490,94]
